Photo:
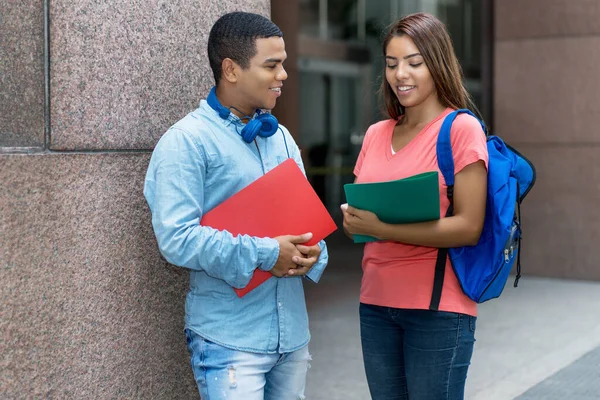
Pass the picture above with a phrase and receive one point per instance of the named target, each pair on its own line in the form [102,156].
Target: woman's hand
[360,222]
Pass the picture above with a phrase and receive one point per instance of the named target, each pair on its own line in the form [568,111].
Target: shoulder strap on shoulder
[444,146]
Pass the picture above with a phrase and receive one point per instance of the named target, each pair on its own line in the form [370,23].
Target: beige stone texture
[21,73]
[124,71]
[518,19]
[89,308]
[548,90]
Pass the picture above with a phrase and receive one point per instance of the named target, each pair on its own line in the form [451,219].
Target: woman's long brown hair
[430,36]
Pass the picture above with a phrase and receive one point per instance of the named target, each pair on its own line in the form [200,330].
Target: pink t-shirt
[397,274]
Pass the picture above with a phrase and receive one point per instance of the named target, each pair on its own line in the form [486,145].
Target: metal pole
[323,17]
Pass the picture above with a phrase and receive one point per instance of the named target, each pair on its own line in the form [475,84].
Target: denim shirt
[198,163]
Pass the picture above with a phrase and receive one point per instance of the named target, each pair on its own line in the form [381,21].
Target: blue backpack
[482,270]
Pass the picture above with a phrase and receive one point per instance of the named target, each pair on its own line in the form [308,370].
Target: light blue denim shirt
[197,164]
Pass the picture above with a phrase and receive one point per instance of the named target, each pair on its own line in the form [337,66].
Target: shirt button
[279,304]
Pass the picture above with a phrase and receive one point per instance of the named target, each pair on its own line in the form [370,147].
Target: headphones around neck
[263,125]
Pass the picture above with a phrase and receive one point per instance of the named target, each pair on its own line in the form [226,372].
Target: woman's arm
[461,229]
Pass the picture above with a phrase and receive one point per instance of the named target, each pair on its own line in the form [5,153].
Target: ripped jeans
[223,373]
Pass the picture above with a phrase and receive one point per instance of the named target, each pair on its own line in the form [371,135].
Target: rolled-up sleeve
[317,270]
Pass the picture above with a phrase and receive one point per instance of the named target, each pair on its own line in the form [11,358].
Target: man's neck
[228,99]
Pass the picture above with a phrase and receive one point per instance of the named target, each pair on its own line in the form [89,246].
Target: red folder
[281,202]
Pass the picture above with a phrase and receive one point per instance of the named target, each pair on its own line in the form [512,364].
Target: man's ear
[230,70]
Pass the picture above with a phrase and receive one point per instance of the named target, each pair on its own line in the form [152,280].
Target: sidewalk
[538,341]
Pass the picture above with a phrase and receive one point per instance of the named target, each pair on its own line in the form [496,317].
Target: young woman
[409,351]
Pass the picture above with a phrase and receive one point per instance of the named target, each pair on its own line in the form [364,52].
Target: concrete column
[547,91]
[285,13]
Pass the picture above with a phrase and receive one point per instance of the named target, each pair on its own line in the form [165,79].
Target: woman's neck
[422,114]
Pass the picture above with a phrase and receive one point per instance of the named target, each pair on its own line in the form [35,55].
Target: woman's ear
[229,70]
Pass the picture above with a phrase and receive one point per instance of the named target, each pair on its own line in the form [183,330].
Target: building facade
[88,308]
[531,67]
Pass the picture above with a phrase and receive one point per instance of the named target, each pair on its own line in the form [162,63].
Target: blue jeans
[416,354]
[222,373]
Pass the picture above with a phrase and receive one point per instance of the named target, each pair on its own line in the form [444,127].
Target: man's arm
[174,190]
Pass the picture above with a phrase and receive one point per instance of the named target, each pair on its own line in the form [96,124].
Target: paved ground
[580,380]
[539,341]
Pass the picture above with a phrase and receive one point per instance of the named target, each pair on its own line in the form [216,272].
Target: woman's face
[407,74]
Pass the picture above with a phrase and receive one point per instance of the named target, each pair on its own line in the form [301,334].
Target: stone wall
[88,308]
[547,91]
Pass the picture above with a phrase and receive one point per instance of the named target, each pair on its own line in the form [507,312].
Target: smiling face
[407,74]
[259,85]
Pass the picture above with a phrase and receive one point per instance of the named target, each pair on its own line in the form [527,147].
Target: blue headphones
[263,125]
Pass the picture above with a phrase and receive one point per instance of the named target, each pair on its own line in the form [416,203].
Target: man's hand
[311,256]
[288,252]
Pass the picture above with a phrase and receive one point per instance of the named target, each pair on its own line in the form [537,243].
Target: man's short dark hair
[234,36]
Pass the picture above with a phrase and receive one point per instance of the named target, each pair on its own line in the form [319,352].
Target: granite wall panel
[89,308]
[518,19]
[546,88]
[21,73]
[548,91]
[561,218]
[124,71]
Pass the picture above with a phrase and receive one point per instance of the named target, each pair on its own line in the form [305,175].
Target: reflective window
[338,89]
[330,19]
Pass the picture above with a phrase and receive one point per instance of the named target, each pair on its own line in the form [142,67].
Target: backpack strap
[445,161]
[444,147]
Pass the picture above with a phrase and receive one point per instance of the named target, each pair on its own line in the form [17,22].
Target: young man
[254,347]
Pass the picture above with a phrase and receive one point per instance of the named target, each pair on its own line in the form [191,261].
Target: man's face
[260,84]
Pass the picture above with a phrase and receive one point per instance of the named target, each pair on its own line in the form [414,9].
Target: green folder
[403,201]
